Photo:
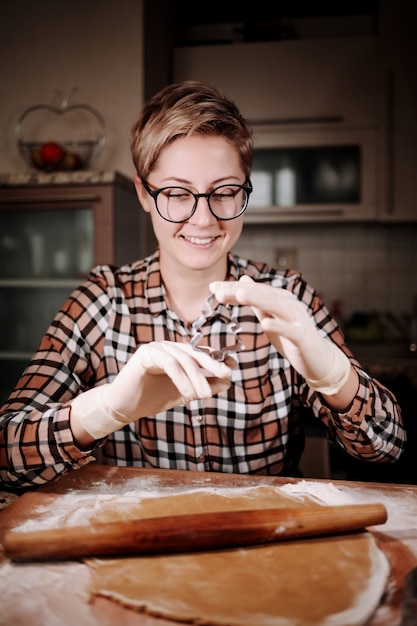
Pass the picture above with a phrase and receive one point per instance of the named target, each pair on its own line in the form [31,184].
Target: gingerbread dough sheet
[334,581]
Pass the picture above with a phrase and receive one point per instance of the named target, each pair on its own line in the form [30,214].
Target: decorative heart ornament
[60,136]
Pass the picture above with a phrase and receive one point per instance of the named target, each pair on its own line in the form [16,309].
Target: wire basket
[47,142]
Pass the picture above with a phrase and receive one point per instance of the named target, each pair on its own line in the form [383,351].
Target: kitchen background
[280,68]
[116,55]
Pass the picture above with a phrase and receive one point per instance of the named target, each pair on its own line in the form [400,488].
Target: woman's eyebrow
[184,181]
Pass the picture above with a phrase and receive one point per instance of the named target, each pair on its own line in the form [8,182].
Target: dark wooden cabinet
[53,229]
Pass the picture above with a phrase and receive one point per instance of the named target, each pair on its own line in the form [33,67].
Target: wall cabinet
[319,81]
[53,229]
[313,105]
[358,86]
[398,89]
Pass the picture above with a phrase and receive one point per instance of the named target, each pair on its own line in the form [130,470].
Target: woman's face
[200,164]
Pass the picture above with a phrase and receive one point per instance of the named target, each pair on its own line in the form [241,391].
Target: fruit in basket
[53,156]
[71,161]
[36,158]
[51,153]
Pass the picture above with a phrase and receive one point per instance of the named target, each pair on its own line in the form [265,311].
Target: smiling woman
[118,372]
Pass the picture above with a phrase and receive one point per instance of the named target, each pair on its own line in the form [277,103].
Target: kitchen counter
[37,178]
[44,591]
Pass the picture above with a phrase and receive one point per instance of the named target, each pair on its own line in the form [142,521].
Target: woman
[123,368]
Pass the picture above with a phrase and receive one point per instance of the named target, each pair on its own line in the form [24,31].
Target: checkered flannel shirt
[254,427]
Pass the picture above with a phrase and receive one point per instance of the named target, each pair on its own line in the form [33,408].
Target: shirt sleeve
[36,441]
[371,428]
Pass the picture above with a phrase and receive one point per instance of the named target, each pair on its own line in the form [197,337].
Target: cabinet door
[399,104]
[305,81]
[44,255]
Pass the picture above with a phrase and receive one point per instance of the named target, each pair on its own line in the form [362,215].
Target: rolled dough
[335,581]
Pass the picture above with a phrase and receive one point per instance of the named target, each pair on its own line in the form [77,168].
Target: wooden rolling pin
[190,532]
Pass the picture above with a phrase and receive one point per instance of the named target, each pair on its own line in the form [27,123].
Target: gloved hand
[291,330]
[159,376]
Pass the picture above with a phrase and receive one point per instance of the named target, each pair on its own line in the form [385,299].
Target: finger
[218,385]
[196,369]
[185,367]
[281,328]
[152,354]
[221,369]
[246,279]
[194,374]
[184,371]
[267,300]
[225,291]
[264,299]
[230,361]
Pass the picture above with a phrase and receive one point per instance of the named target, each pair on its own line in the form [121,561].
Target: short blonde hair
[184,109]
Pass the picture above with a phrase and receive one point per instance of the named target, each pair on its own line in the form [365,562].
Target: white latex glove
[159,376]
[291,330]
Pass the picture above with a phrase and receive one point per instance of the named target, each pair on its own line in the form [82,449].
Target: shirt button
[201,458]
[199,418]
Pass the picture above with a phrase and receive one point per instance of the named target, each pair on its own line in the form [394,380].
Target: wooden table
[45,594]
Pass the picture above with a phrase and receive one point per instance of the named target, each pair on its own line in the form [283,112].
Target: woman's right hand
[159,376]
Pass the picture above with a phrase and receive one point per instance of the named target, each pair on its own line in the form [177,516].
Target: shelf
[79,178]
[56,283]
[15,355]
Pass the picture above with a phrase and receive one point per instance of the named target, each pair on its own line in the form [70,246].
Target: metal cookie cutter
[233,326]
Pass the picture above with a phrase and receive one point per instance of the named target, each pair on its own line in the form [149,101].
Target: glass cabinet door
[306,175]
[44,255]
[313,174]
[45,244]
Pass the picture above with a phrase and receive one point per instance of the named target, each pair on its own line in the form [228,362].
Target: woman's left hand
[290,329]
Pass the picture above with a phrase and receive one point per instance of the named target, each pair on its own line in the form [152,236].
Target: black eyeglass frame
[247,187]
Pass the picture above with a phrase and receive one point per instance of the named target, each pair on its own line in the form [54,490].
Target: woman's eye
[177,194]
[224,194]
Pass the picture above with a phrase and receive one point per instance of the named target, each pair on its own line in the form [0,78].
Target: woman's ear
[142,194]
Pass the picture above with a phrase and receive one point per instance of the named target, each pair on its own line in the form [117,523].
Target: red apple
[51,153]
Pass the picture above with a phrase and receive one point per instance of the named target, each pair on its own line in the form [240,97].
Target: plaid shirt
[254,427]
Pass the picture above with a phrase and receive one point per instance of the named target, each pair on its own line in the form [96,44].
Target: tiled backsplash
[368,267]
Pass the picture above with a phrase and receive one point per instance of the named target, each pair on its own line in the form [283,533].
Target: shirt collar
[155,290]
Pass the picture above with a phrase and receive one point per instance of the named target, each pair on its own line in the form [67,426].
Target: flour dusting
[27,589]
[323,493]
[401,505]
[78,508]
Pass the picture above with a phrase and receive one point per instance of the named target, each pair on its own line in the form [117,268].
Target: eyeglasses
[177,204]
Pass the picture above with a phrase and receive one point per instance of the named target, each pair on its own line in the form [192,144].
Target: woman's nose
[202,213]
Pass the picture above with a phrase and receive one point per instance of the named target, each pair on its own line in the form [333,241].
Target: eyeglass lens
[177,204]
